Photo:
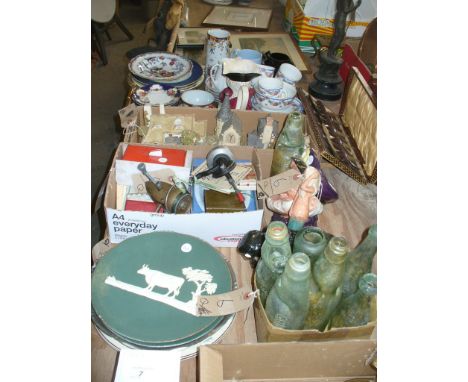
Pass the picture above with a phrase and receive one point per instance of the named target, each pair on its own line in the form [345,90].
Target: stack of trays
[143,291]
[164,69]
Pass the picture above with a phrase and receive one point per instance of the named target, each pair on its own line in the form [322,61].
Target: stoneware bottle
[289,144]
[275,253]
[288,302]
[311,241]
[359,262]
[355,309]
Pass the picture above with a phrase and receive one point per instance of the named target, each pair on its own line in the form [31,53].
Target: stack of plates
[165,69]
[127,313]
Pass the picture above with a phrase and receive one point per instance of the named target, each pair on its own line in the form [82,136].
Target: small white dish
[197,98]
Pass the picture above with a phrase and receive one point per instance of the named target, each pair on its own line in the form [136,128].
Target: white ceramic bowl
[197,97]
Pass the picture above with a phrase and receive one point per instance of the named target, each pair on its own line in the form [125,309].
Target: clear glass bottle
[311,241]
[359,262]
[288,302]
[355,310]
[325,288]
[275,253]
[289,144]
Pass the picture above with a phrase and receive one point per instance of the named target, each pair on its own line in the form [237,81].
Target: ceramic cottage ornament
[228,126]
[265,135]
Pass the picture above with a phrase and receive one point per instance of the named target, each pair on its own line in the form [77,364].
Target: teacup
[270,87]
[283,100]
[198,98]
[266,71]
[289,73]
[248,54]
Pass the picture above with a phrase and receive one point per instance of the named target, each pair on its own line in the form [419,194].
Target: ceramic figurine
[265,135]
[299,204]
[228,126]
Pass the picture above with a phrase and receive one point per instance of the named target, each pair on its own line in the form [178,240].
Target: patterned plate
[155,95]
[160,66]
[143,289]
[197,73]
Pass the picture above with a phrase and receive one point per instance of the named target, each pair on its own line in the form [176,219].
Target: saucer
[296,106]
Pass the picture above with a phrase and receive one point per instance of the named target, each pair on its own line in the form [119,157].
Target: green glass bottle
[355,310]
[287,304]
[289,144]
[325,289]
[311,241]
[329,268]
[275,253]
[359,262]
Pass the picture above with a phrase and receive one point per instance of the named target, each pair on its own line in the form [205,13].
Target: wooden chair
[103,15]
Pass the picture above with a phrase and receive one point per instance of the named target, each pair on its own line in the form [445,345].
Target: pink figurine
[300,204]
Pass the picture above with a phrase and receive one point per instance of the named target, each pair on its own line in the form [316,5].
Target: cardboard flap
[359,115]
[211,361]
[339,360]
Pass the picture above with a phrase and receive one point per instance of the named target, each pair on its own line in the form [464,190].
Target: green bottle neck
[336,250]
[368,247]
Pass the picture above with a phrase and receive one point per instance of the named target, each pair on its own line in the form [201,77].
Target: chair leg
[100,44]
[124,29]
[107,34]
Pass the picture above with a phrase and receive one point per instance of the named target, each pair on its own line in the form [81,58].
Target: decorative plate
[155,94]
[160,66]
[144,289]
[196,75]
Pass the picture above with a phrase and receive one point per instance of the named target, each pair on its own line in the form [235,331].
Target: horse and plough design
[154,278]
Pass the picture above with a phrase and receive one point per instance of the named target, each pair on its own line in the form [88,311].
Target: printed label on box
[230,227]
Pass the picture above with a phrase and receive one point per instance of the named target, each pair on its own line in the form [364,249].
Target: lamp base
[328,84]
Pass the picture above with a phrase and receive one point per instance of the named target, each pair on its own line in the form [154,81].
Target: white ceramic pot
[216,48]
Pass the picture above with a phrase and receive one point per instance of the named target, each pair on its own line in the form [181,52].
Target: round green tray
[142,320]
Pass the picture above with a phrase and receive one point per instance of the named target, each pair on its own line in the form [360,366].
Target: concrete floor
[109,87]
[108,92]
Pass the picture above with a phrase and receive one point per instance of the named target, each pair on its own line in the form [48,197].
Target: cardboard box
[295,361]
[249,119]
[316,18]
[218,229]
[266,332]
